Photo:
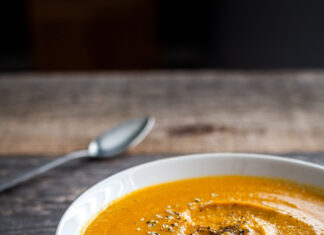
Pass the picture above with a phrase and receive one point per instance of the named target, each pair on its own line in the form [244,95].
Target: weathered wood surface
[37,206]
[202,111]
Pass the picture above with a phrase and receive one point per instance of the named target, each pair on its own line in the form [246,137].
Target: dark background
[164,34]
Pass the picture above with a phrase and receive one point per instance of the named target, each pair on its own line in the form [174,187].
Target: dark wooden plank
[202,111]
[37,206]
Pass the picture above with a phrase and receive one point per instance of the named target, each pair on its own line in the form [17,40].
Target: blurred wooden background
[206,111]
[93,34]
[162,34]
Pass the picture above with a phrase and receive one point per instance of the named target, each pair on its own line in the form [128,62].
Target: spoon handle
[13,181]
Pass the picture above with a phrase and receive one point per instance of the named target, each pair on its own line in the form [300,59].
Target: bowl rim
[227,154]
[176,158]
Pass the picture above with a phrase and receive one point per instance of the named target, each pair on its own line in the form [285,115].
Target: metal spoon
[109,144]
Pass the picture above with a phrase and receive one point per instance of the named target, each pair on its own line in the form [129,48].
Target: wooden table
[45,115]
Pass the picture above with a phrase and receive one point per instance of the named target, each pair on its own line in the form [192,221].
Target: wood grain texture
[37,206]
[196,111]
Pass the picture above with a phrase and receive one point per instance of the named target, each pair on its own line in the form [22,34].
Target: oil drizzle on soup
[215,205]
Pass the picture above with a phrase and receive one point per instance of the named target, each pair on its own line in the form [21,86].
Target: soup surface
[215,205]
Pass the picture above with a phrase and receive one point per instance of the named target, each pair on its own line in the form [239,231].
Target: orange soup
[215,205]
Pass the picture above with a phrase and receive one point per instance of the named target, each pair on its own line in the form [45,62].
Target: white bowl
[98,196]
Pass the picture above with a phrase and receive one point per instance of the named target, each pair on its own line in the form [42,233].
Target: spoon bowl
[121,138]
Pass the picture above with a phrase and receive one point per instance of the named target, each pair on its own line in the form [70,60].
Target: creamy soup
[215,205]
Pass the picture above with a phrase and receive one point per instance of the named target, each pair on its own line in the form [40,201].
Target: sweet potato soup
[215,205]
